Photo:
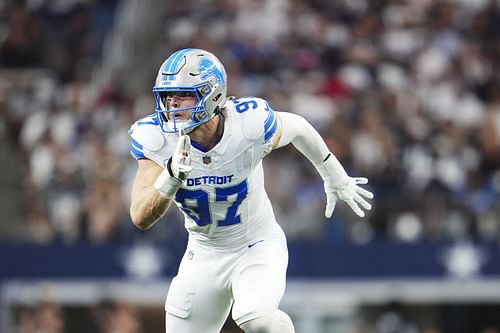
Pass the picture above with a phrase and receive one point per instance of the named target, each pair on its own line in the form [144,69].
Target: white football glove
[177,168]
[339,186]
[180,162]
[351,193]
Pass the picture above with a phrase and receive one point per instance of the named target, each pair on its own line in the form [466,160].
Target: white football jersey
[223,199]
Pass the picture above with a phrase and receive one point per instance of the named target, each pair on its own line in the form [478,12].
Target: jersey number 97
[196,203]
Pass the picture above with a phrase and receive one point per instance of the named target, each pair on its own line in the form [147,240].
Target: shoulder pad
[257,116]
[148,135]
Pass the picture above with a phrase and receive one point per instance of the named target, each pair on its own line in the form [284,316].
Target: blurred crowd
[406,93]
[108,316]
[119,316]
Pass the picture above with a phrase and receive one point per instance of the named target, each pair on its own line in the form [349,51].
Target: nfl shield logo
[206,160]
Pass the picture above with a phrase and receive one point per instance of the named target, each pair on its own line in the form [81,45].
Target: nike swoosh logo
[250,245]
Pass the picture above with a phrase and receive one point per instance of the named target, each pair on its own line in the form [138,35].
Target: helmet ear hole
[216,98]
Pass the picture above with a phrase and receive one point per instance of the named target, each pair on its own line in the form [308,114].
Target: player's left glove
[338,185]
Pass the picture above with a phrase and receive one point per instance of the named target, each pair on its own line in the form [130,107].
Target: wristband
[166,184]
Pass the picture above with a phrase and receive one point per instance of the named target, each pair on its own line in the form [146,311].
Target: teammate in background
[204,152]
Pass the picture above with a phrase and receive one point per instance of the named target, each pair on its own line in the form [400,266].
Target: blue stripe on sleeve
[268,134]
[136,153]
[136,144]
[269,121]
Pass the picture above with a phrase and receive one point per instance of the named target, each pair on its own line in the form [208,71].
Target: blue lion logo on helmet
[207,68]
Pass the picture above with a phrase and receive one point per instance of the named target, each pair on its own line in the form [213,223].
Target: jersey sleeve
[145,138]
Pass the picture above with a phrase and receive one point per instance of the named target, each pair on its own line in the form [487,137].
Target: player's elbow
[142,224]
[140,220]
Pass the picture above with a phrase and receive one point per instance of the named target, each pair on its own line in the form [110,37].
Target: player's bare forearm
[148,208]
[147,205]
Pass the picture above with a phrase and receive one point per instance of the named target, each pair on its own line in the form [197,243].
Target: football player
[203,151]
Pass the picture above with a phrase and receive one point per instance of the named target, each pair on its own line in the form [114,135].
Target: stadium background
[406,92]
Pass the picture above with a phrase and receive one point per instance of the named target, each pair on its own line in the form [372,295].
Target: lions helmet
[190,71]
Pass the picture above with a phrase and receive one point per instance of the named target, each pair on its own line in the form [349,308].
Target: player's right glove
[338,185]
[177,168]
